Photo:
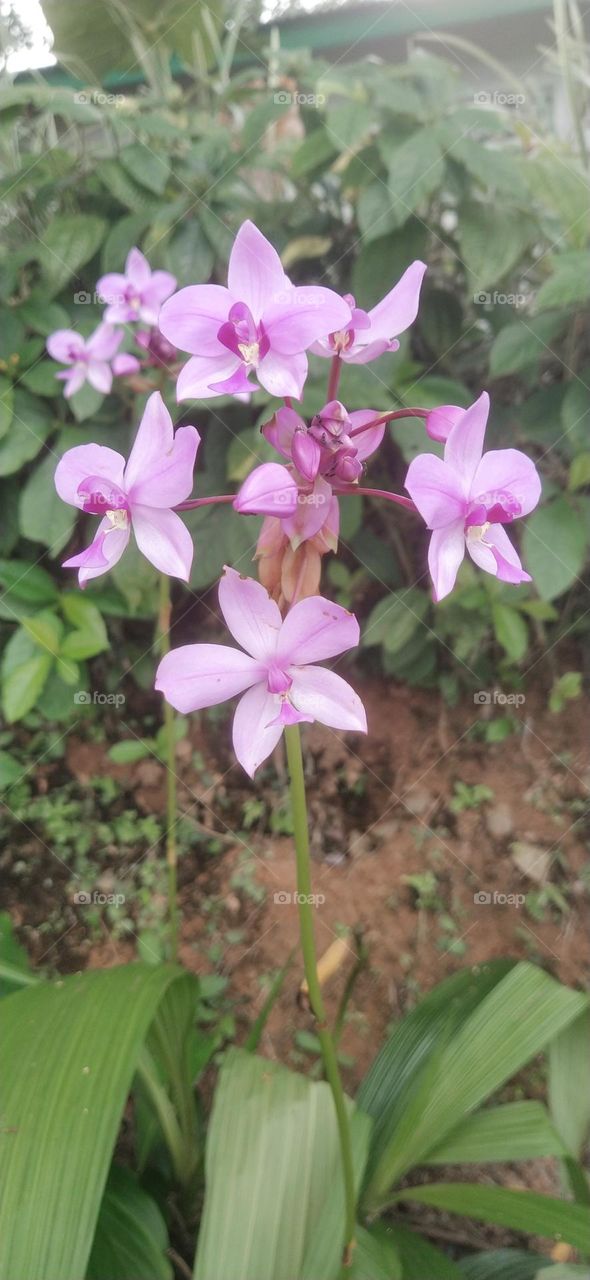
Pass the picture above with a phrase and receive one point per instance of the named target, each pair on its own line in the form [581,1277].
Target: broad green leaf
[79,1038]
[519,1210]
[43,516]
[348,123]
[554,547]
[23,686]
[569,1096]
[131,1237]
[575,414]
[510,1025]
[375,1256]
[86,402]
[505,1264]
[398,249]
[569,285]
[511,630]
[129,751]
[68,243]
[313,153]
[30,427]
[272,1144]
[6,403]
[522,345]
[148,168]
[491,240]
[394,620]
[420,1259]
[15,970]
[189,255]
[27,584]
[10,770]
[515,1131]
[376,213]
[40,378]
[415,171]
[579,475]
[500,170]
[90,636]
[46,629]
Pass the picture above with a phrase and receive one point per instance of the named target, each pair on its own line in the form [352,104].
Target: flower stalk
[329,1057]
[164,613]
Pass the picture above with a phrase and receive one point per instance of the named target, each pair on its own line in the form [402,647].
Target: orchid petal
[464,445]
[496,554]
[100,376]
[362,354]
[315,629]
[61,343]
[199,373]
[324,695]
[87,460]
[102,344]
[255,274]
[164,540]
[154,439]
[445,554]
[311,514]
[104,551]
[269,490]
[137,269]
[256,729]
[283,375]
[507,472]
[74,380]
[303,316]
[281,428]
[159,472]
[125,364]
[399,308]
[203,675]
[252,617]
[367,441]
[191,318]
[435,489]
[440,421]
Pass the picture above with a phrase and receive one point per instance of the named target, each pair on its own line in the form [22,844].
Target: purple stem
[334,378]
[390,417]
[203,502]
[378,493]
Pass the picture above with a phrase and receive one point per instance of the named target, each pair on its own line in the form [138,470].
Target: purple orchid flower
[139,495]
[370,334]
[89,358]
[281,686]
[136,295]
[468,498]
[260,325]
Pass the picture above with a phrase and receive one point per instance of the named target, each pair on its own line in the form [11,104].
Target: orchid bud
[306,454]
[330,422]
[269,490]
[439,421]
[348,467]
[125,364]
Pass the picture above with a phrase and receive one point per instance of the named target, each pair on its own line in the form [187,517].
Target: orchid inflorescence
[256,332]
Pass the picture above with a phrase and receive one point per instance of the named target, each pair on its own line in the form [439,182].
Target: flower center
[477,532]
[250,352]
[243,336]
[117,519]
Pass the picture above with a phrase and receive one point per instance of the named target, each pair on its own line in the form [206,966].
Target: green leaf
[272,1144]
[515,1131]
[41,379]
[86,402]
[415,171]
[554,546]
[150,170]
[43,516]
[579,475]
[569,285]
[26,583]
[68,244]
[506,1264]
[6,404]
[512,1023]
[569,1097]
[522,345]
[80,1038]
[519,1210]
[420,1259]
[90,636]
[500,170]
[23,686]
[376,213]
[46,629]
[129,751]
[491,240]
[189,255]
[131,1237]
[398,249]
[11,770]
[511,630]
[375,1256]
[395,619]
[32,418]
[313,153]
[15,970]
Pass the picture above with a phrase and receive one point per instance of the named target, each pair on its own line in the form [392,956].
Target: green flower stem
[164,611]
[301,833]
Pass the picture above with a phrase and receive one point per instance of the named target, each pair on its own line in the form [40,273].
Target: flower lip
[99,496]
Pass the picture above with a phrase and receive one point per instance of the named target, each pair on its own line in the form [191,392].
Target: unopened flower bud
[306,454]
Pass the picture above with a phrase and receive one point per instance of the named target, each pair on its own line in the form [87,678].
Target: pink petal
[307,455]
[164,540]
[83,461]
[325,696]
[159,472]
[74,380]
[439,421]
[464,445]
[445,554]
[507,472]
[311,514]
[103,343]
[435,489]
[161,285]
[60,343]
[281,428]
[104,551]
[255,275]
[202,675]
[359,354]
[269,490]
[255,729]
[100,376]
[302,316]
[399,308]
[137,268]
[497,555]
[111,288]
[315,629]
[252,617]
[283,375]
[199,373]
[191,319]
[125,364]
[368,441]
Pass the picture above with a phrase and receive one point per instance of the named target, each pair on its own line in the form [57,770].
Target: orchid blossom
[138,495]
[260,326]
[468,498]
[277,670]
[370,334]
[89,359]
[137,294]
